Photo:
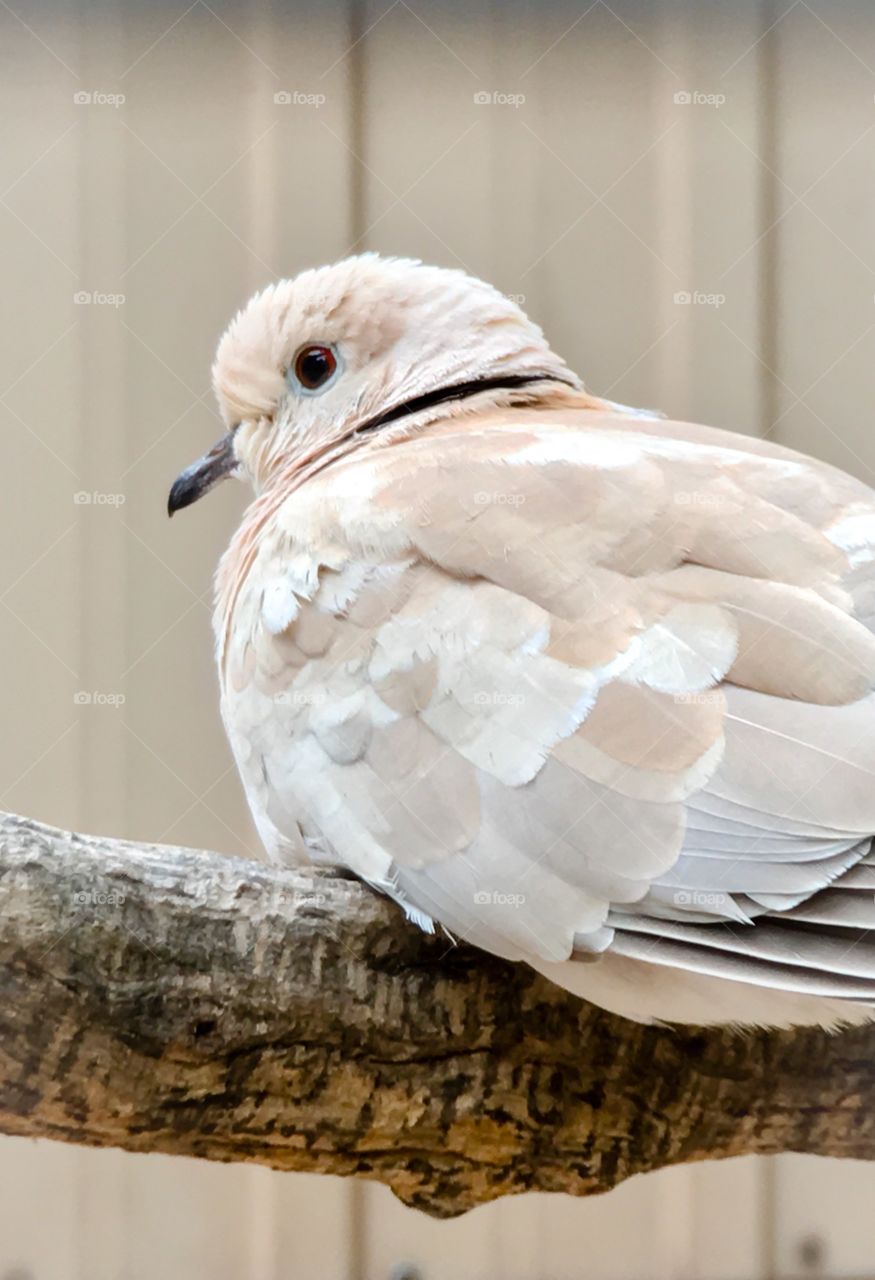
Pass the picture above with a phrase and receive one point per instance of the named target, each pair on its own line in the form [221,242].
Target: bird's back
[592,691]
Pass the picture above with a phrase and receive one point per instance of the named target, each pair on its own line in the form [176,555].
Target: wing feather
[555,677]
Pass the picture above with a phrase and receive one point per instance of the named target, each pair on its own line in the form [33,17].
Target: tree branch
[159,999]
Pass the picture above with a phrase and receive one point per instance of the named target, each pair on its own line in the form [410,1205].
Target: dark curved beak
[202,475]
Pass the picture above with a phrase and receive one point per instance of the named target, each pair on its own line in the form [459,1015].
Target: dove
[585,687]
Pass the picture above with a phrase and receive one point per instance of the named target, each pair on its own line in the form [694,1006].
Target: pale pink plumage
[589,688]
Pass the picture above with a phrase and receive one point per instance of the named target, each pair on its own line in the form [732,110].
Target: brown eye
[314,366]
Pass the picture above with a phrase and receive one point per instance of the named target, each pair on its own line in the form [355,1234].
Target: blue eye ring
[314,367]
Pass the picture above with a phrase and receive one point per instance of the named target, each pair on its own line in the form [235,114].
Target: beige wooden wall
[602,199]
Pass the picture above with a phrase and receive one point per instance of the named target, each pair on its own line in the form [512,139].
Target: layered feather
[576,684]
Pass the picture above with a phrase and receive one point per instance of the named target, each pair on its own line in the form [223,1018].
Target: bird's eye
[314,367]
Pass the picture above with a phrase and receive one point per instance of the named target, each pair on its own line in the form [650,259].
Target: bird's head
[346,356]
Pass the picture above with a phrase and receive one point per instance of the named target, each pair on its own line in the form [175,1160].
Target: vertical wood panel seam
[767,75]
[356,1224]
[767,72]
[357,73]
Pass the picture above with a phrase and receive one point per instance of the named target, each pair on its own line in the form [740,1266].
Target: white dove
[587,687]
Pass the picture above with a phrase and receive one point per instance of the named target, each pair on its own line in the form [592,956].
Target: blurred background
[682,194]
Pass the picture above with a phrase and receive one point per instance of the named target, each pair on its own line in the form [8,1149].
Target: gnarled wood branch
[160,999]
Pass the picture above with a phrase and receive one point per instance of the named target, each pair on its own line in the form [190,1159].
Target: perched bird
[589,688]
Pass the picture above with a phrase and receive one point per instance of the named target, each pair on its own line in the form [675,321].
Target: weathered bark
[160,999]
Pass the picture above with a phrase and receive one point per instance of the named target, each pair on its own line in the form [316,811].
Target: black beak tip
[182,494]
[202,475]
